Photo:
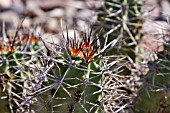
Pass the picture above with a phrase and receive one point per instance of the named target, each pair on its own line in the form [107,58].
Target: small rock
[52,26]
[5,3]
[57,12]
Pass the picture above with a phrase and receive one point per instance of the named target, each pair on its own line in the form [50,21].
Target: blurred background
[46,15]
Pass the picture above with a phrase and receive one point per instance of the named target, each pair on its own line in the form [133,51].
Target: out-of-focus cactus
[154,94]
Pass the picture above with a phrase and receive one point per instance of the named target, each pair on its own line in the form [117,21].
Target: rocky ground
[45,16]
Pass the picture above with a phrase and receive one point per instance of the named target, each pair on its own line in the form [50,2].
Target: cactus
[90,72]
[121,20]
[14,73]
[154,94]
[73,83]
